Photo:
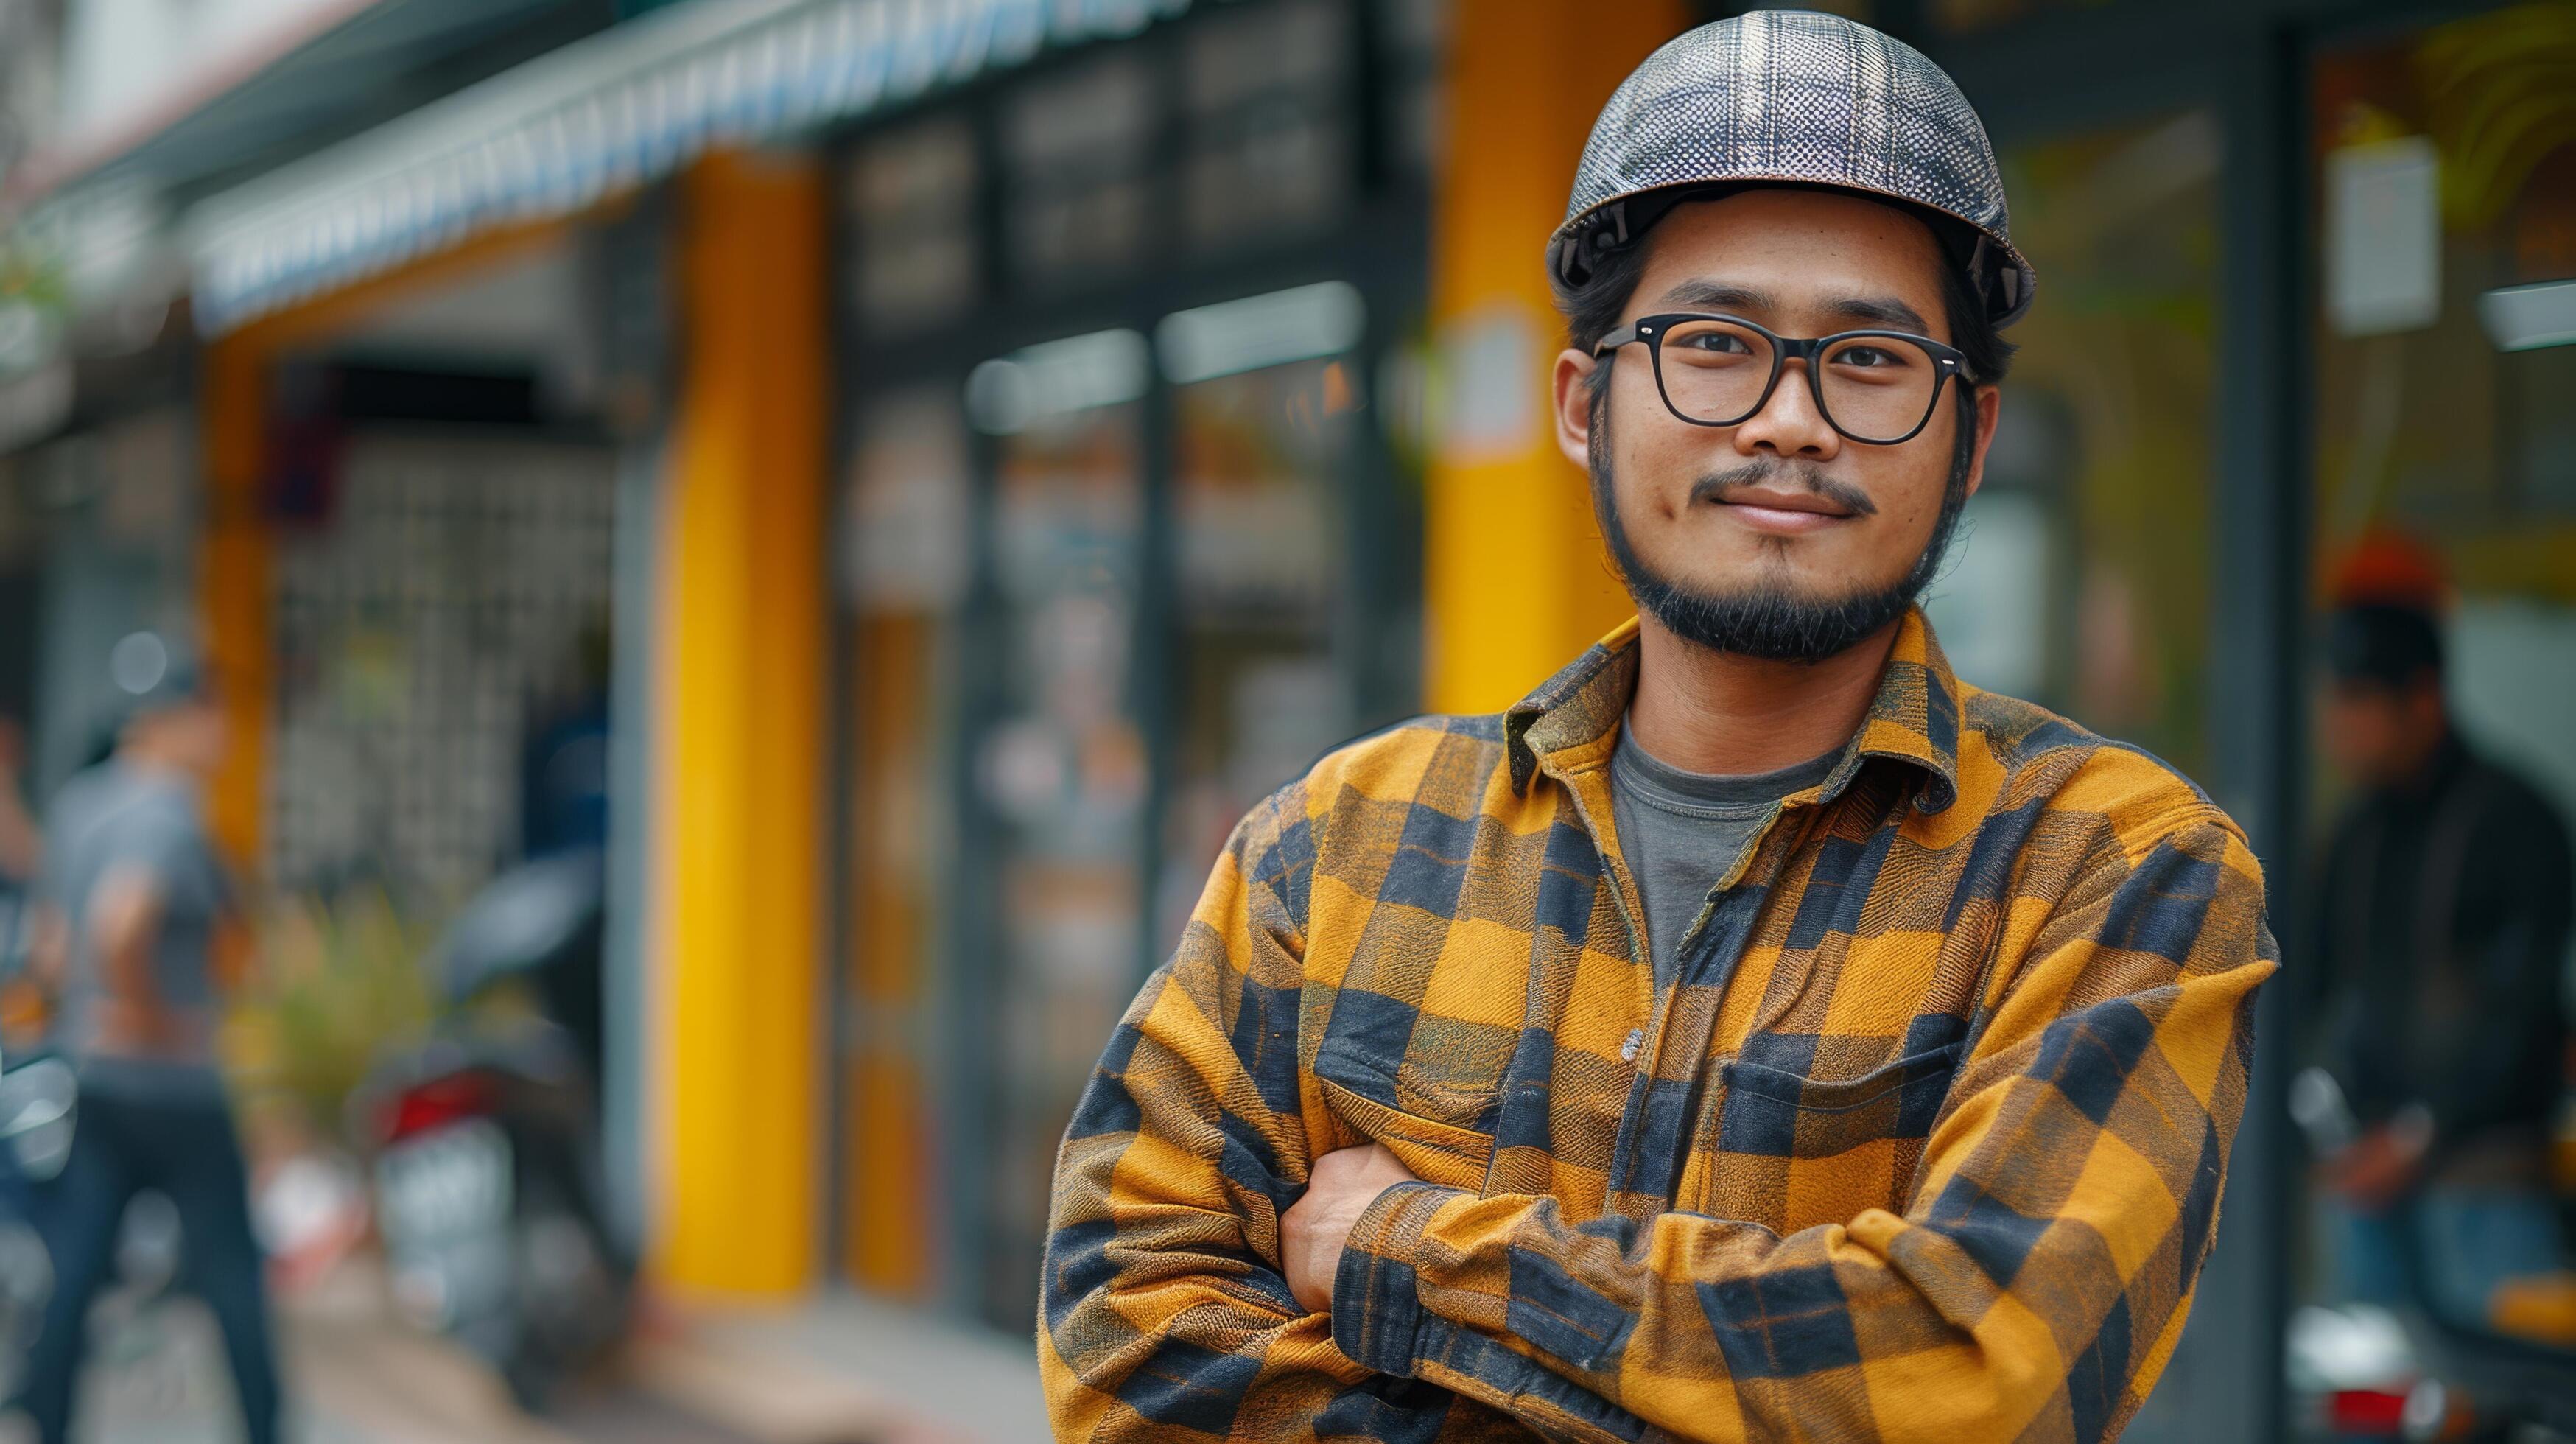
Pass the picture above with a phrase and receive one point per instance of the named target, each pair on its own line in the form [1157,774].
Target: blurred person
[2438,938]
[21,1010]
[563,763]
[22,850]
[1756,1032]
[22,843]
[133,895]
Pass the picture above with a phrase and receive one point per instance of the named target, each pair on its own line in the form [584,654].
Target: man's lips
[1786,513]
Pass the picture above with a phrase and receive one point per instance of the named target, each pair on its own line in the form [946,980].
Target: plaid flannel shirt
[1924,1141]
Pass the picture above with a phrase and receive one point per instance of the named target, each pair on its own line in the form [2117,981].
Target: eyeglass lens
[1872,388]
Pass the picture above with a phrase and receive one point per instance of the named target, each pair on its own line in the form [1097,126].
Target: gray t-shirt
[118,818]
[1682,831]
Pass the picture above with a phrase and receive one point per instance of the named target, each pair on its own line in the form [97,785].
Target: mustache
[1808,476]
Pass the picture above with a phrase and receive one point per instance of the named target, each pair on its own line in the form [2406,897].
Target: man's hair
[1592,310]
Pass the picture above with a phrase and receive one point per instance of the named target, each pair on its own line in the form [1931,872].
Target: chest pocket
[1793,1151]
[1772,1113]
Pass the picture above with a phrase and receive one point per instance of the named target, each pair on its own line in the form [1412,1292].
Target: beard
[1767,618]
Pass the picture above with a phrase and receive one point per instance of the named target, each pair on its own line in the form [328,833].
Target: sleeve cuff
[1377,1311]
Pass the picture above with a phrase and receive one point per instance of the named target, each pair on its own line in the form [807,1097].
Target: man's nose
[1789,423]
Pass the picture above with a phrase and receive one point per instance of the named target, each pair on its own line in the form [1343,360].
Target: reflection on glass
[910,197]
[1063,772]
[1257,526]
[1413,36]
[1076,150]
[1266,120]
[2097,487]
[904,570]
[2445,163]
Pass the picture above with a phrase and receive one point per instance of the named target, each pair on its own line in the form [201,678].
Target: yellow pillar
[232,582]
[738,768]
[1516,580]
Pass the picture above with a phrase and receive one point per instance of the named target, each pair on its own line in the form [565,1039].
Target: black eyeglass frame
[1947,361]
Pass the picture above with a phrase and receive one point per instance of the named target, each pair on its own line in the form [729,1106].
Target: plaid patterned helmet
[1793,97]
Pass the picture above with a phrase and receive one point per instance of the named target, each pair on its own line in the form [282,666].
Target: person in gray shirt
[133,895]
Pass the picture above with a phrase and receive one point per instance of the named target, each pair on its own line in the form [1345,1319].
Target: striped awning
[599,116]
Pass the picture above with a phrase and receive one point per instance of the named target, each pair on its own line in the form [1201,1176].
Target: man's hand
[1345,1182]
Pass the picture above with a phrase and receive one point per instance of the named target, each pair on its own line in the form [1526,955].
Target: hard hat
[1793,98]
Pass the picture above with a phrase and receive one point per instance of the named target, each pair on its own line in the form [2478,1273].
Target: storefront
[2443,157]
[2296,269]
[440,510]
[1129,534]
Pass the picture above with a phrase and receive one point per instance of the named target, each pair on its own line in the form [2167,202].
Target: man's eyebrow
[1886,311]
[1882,311]
[1719,296]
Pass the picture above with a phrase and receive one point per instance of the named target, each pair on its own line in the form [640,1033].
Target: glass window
[1061,766]
[904,568]
[2449,421]
[1079,149]
[910,195]
[1265,422]
[1268,149]
[2082,575]
[1414,41]
[2445,449]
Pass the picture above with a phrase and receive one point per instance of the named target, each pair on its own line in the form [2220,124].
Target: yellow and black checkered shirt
[1923,1141]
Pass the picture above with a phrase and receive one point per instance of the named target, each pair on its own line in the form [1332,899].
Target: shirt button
[1628,1049]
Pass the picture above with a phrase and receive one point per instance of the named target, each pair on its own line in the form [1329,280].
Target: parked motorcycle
[485,1139]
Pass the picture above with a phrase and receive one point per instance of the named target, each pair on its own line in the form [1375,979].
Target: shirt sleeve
[1165,1314]
[2034,1288]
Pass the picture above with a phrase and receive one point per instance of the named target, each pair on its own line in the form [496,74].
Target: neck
[1720,713]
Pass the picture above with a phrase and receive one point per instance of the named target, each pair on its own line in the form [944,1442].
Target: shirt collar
[1914,718]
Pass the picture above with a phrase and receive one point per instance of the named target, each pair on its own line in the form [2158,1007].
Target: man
[135,894]
[22,850]
[2440,932]
[1756,1032]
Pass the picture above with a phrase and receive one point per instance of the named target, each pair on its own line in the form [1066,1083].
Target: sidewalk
[367,1378]
[362,1375]
[843,1369]
[836,1370]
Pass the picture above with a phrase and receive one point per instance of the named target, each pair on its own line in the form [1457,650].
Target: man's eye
[1867,357]
[1722,343]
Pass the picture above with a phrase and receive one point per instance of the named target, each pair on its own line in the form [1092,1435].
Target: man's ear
[1572,392]
[1990,410]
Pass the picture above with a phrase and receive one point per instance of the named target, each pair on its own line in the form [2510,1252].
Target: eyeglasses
[1876,387]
